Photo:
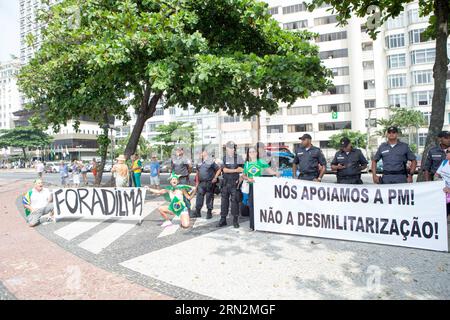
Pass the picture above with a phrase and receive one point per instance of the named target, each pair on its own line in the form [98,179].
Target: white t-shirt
[444,172]
[40,167]
[39,199]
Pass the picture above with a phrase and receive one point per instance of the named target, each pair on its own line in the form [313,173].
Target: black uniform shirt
[207,170]
[434,158]
[352,162]
[232,162]
[308,160]
[394,158]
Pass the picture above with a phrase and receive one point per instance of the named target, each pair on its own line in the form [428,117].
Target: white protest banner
[99,203]
[408,215]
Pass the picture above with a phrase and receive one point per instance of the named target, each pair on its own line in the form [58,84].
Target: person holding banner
[436,155]
[310,161]
[136,167]
[395,155]
[254,167]
[348,162]
[175,194]
[444,172]
[37,202]
[120,171]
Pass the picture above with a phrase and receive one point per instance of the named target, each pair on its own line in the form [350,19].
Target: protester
[84,171]
[207,173]
[181,165]
[395,155]
[444,172]
[63,173]
[310,161]
[254,167]
[94,168]
[136,167]
[348,162]
[76,171]
[40,167]
[155,173]
[37,203]
[120,171]
[436,155]
[232,166]
[175,193]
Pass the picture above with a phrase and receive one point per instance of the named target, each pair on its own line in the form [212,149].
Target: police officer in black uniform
[348,162]
[307,159]
[232,166]
[395,155]
[436,155]
[207,172]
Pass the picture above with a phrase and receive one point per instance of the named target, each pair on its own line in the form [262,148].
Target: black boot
[222,222]
[198,214]
[209,214]
[236,222]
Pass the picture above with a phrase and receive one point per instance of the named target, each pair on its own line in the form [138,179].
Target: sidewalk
[32,267]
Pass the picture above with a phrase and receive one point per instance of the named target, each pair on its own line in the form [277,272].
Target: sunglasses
[447,151]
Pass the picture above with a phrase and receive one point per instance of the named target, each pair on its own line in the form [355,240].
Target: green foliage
[144,149]
[181,133]
[24,137]
[358,139]
[402,118]
[213,54]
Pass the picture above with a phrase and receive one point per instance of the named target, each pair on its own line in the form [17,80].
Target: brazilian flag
[177,206]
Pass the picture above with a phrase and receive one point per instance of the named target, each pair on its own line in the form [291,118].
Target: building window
[333,54]
[373,122]
[417,36]
[303,127]
[397,100]
[342,89]
[422,77]
[325,144]
[332,36]
[369,103]
[368,65]
[159,112]
[396,61]
[422,98]
[295,25]
[397,22]
[325,20]
[341,71]
[427,117]
[295,8]
[395,41]
[228,119]
[397,80]
[423,56]
[369,84]
[413,16]
[299,110]
[330,126]
[273,11]
[422,139]
[275,129]
[340,107]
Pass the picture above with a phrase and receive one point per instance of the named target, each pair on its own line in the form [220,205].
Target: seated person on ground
[37,202]
[175,194]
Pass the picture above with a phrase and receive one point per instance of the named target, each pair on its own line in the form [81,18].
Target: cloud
[10,29]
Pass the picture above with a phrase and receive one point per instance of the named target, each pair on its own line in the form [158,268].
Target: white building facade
[9,93]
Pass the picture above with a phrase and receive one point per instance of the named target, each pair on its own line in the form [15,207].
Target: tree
[378,12]
[212,54]
[175,133]
[143,148]
[24,138]
[406,120]
[358,139]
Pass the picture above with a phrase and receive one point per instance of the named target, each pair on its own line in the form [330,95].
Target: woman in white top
[444,172]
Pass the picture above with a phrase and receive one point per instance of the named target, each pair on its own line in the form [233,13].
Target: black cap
[392,129]
[230,145]
[305,136]
[345,142]
[443,134]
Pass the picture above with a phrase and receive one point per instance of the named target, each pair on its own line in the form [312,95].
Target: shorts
[76,179]
[154,180]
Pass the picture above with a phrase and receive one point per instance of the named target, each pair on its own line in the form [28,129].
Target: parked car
[166,166]
[108,166]
[51,167]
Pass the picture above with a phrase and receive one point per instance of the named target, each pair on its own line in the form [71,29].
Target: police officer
[395,155]
[308,158]
[348,162]
[207,172]
[181,165]
[436,155]
[232,166]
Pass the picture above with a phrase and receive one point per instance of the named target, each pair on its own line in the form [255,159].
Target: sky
[9,29]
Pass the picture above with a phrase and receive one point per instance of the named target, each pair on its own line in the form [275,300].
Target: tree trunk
[146,111]
[103,155]
[441,12]
[24,154]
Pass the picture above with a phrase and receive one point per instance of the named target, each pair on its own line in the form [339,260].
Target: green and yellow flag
[177,206]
